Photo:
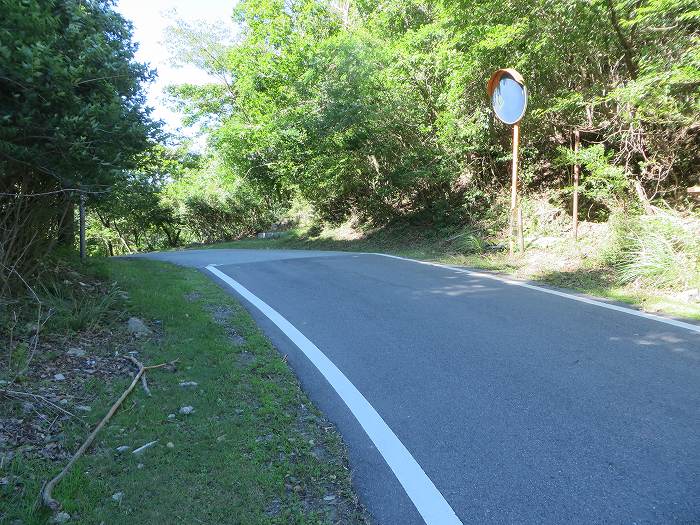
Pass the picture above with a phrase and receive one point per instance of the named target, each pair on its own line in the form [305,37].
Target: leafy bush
[73,113]
[600,180]
[218,206]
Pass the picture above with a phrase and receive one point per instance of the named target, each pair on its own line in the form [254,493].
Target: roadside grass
[571,265]
[404,240]
[253,451]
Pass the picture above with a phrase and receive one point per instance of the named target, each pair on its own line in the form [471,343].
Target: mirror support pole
[574,212]
[516,216]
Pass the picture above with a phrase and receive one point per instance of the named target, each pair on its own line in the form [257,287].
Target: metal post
[577,142]
[514,191]
[82,227]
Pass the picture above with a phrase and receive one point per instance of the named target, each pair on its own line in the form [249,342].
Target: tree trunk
[625,42]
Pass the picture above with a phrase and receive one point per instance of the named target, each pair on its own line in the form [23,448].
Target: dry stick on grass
[46,498]
[17,393]
[139,365]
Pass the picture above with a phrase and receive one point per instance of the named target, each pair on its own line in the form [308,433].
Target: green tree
[135,215]
[379,110]
[73,114]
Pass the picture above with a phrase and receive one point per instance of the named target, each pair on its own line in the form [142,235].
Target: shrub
[212,217]
[661,251]
[601,180]
[467,241]
[77,306]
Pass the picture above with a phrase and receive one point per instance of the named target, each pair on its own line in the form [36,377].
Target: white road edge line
[630,311]
[428,500]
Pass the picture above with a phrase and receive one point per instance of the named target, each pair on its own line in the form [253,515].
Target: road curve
[520,406]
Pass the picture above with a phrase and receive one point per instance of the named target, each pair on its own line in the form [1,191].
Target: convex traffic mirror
[508,95]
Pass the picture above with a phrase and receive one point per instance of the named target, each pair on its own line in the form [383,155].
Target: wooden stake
[521,237]
[577,142]
[514,189]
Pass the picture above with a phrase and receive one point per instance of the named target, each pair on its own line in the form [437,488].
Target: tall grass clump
[75,308]
[75,301]
[659,251]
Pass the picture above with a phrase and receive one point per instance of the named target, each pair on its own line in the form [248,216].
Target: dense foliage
[72,113]
[368,110]
[378,109]
[174,197]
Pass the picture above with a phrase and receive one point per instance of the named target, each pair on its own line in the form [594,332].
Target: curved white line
[428,500]
[630,311]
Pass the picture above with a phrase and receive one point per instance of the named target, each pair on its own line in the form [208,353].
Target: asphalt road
[520,406]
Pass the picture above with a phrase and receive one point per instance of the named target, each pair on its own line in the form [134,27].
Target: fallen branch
[649,209]
[17,393]
[456,236]
[140,366]
[46,498]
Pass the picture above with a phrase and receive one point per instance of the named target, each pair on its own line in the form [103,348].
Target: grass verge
[254,450]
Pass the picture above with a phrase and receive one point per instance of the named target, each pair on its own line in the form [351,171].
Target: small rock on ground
[137,327]
[61,517]
[142,448]
[59,377]
[186,410]
[186,384]
[117,496]
[690,296]
[76,352]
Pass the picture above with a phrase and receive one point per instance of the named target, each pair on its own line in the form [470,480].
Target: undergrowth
[58,300]
[657,251]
